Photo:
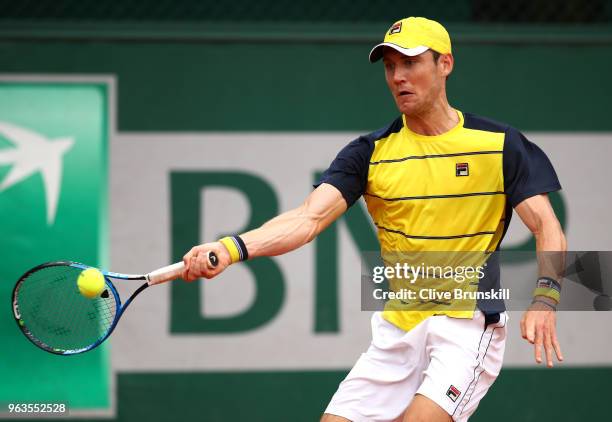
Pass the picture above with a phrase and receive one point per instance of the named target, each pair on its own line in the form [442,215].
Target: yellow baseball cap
[413,36]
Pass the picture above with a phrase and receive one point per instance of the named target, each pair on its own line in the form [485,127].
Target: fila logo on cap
[453,393]
[396,28]
[462,169]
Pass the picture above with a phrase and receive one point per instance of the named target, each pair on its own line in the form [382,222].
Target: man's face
[415,82]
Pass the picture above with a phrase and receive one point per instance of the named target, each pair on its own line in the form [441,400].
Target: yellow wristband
[232,248]
[547,292]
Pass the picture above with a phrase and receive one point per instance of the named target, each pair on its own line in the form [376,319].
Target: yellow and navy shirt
[449,192]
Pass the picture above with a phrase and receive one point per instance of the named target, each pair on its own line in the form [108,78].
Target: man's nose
[399,75]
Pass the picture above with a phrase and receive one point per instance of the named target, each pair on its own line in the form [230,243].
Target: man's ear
[446,63]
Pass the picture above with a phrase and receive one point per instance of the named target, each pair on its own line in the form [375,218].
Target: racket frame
[120,308]
[158,276]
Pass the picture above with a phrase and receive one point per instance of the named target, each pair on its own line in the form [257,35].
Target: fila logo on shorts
[453,393]
[462,169]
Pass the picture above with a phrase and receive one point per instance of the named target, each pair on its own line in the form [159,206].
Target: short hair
[435,55]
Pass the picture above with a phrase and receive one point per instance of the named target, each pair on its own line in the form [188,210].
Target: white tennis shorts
[452,361]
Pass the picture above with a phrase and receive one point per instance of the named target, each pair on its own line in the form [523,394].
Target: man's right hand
[197,263]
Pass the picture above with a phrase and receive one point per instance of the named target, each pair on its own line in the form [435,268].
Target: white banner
[141,165]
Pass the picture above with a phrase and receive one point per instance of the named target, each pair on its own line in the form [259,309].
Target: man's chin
[408,105]
[408,111]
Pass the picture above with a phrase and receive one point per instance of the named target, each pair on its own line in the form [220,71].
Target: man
[435,179]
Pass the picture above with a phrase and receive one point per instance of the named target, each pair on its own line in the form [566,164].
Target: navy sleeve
[527,169]
[349,171]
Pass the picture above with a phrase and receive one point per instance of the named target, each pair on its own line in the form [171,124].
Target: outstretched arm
[538,325]
[282,234]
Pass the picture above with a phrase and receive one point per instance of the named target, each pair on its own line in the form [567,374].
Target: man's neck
[440,119]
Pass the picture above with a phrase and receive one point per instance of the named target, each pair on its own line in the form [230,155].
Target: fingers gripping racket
[54,315]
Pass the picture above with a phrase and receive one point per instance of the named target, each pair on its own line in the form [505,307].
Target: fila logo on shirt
[462,169]
[453,393]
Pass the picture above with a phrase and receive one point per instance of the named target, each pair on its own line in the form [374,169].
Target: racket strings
[55,315]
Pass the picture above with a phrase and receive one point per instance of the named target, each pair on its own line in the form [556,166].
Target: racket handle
[164,274]
[174,271]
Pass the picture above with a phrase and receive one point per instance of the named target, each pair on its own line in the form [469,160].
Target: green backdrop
[250,78]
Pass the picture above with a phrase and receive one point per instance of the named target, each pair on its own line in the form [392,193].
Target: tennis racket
[55,316]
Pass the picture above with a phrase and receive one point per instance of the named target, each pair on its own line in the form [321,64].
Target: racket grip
[165,274]
[174,271]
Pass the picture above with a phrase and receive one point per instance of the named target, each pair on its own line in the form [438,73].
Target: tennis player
[435,179]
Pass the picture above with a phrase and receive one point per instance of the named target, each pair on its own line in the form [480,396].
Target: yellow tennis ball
[91,283]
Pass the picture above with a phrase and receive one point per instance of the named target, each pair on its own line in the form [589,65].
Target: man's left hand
[538,327]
